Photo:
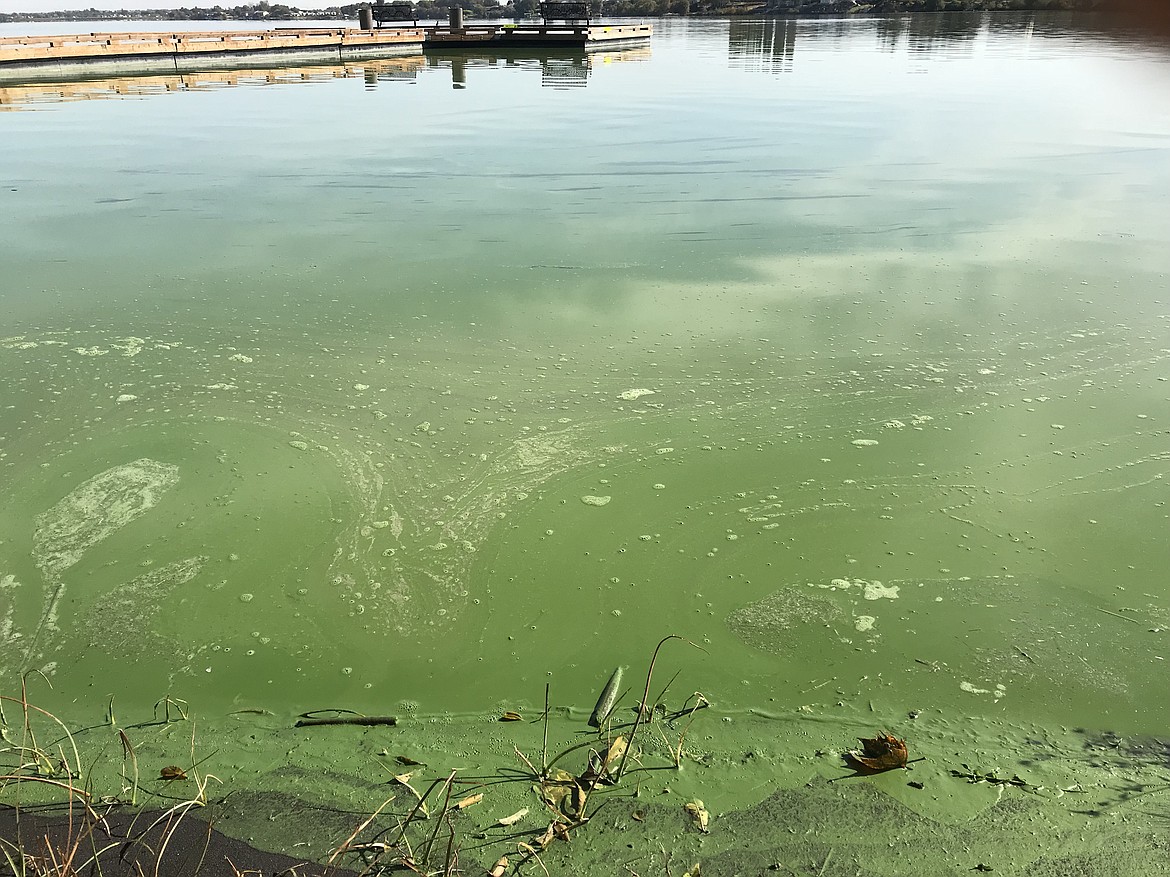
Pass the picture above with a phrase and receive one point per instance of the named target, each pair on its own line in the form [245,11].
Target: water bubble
[246,598]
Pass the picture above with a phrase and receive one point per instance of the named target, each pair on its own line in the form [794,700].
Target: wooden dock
[582,37]
[64,57]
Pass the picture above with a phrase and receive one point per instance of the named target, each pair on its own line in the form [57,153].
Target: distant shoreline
[273,12]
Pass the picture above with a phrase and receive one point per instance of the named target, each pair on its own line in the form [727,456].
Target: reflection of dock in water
[766,46]
[565,69]
[557,70]
[369,72]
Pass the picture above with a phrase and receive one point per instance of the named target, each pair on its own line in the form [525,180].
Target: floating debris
[596,500]
[631,395]
[607,700]
[698,812]
[883,752]
[514,818]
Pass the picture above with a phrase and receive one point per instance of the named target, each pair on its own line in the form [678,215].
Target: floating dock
[582,37]
[61,58]
[64,57]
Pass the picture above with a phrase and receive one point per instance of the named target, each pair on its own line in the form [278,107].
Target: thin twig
[825,863]
[544,745]
[348,720]
[1122,617]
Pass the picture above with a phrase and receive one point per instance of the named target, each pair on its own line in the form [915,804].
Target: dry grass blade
[347,845]
[128,753]
[426,857]
[700,703]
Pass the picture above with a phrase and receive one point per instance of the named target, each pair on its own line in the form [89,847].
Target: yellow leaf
[698,813]
[464,803]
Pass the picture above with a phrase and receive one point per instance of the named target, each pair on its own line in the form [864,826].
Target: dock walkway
[547,36]
[53,57]
[57,58]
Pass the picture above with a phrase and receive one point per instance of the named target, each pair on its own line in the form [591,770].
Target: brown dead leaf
[511,716]
[500,868]
[882,752]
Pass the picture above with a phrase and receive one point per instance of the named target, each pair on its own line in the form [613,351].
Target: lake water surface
[839,348]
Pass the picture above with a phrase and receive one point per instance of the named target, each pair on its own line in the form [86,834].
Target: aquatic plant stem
[645,694]
[544,744]
[426,856]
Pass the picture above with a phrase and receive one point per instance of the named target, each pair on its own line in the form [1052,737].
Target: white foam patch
[877,591]
[874,590]
[130,346]
[596,500]
[8,632]
[631,395]
[97,508]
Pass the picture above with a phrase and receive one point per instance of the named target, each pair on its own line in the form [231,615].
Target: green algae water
[838,348]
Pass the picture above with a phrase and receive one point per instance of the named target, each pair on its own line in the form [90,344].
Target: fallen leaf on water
[544,839]
[883,752]
[698,813]
[500,868]
[514,818]
[613,755]
[464,803]
[510,716]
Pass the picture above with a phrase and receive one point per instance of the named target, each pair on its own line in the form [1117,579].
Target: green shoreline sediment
[1019,798]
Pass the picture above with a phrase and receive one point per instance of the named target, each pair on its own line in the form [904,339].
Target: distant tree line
[438,9]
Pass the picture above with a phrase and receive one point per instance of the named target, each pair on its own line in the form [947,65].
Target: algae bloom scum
[825,345]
